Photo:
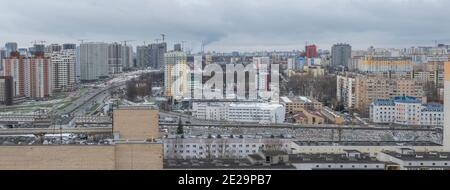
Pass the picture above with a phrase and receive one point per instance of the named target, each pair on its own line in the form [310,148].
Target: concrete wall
[82,157]
[136,123]
[57,157]
[139,157]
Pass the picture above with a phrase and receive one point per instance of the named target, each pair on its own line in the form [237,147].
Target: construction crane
[163,37]
[182,45]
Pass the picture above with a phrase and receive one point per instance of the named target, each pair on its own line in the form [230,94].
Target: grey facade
[341,55]
[120,57]
[10,47]
[69,46]
[151,55]
[115,60]
[93,61]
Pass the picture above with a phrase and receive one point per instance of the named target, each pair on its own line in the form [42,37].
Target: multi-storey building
[239,111]
[404,110]
[93,61]
[38,76]
[10,47]
[6,90]
[432,114]
[151,55]
[262,77]
[32,76]
[341,55]
[346,90]
[298,103]
[370,88]
[310,51]
[119,57]
[223,147]
[385,64]
[63,63]
[115,60]
[175,75]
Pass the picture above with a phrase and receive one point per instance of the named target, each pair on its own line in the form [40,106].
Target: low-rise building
[254,112]
[350,160]
[409,159]
[220,148]
[294,104]
[310,117]
[406,110]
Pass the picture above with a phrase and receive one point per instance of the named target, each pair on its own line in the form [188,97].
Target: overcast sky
[226,25]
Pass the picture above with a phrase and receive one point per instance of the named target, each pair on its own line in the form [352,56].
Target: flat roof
[219,164]
[331,158]
[366,143]
[420,156]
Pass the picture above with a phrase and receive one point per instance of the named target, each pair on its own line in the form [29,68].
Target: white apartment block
[406,111]
[346,90]
[228,148]
[239,112]
[262,73]
[63,64]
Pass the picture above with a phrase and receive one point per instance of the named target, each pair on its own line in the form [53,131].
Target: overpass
[30,131]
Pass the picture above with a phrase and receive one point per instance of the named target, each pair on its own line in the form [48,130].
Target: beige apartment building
[357,92]
[136,147]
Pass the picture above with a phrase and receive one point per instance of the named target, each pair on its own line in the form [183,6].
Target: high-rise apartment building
[53,48]
[69,46]
[6,90]
[63,65]
[13,66]
[310,51]
[115,59]
[143,55]
[127,57]
[262,78]
[385,64]
[38,76]
[93,61]
[175,74]
[10,47]
[341,55]
[359,91]
[369,89]
[151,55]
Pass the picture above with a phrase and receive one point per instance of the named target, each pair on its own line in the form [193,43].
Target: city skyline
[231,26]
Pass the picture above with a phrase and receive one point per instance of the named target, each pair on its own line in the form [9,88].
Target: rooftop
[365,143]
[219,164]
[331,158]
[418,156]
[433,107]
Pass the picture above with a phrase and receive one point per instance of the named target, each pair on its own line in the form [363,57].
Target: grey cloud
[230,24]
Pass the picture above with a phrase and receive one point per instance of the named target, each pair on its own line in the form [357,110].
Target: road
[79,106]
